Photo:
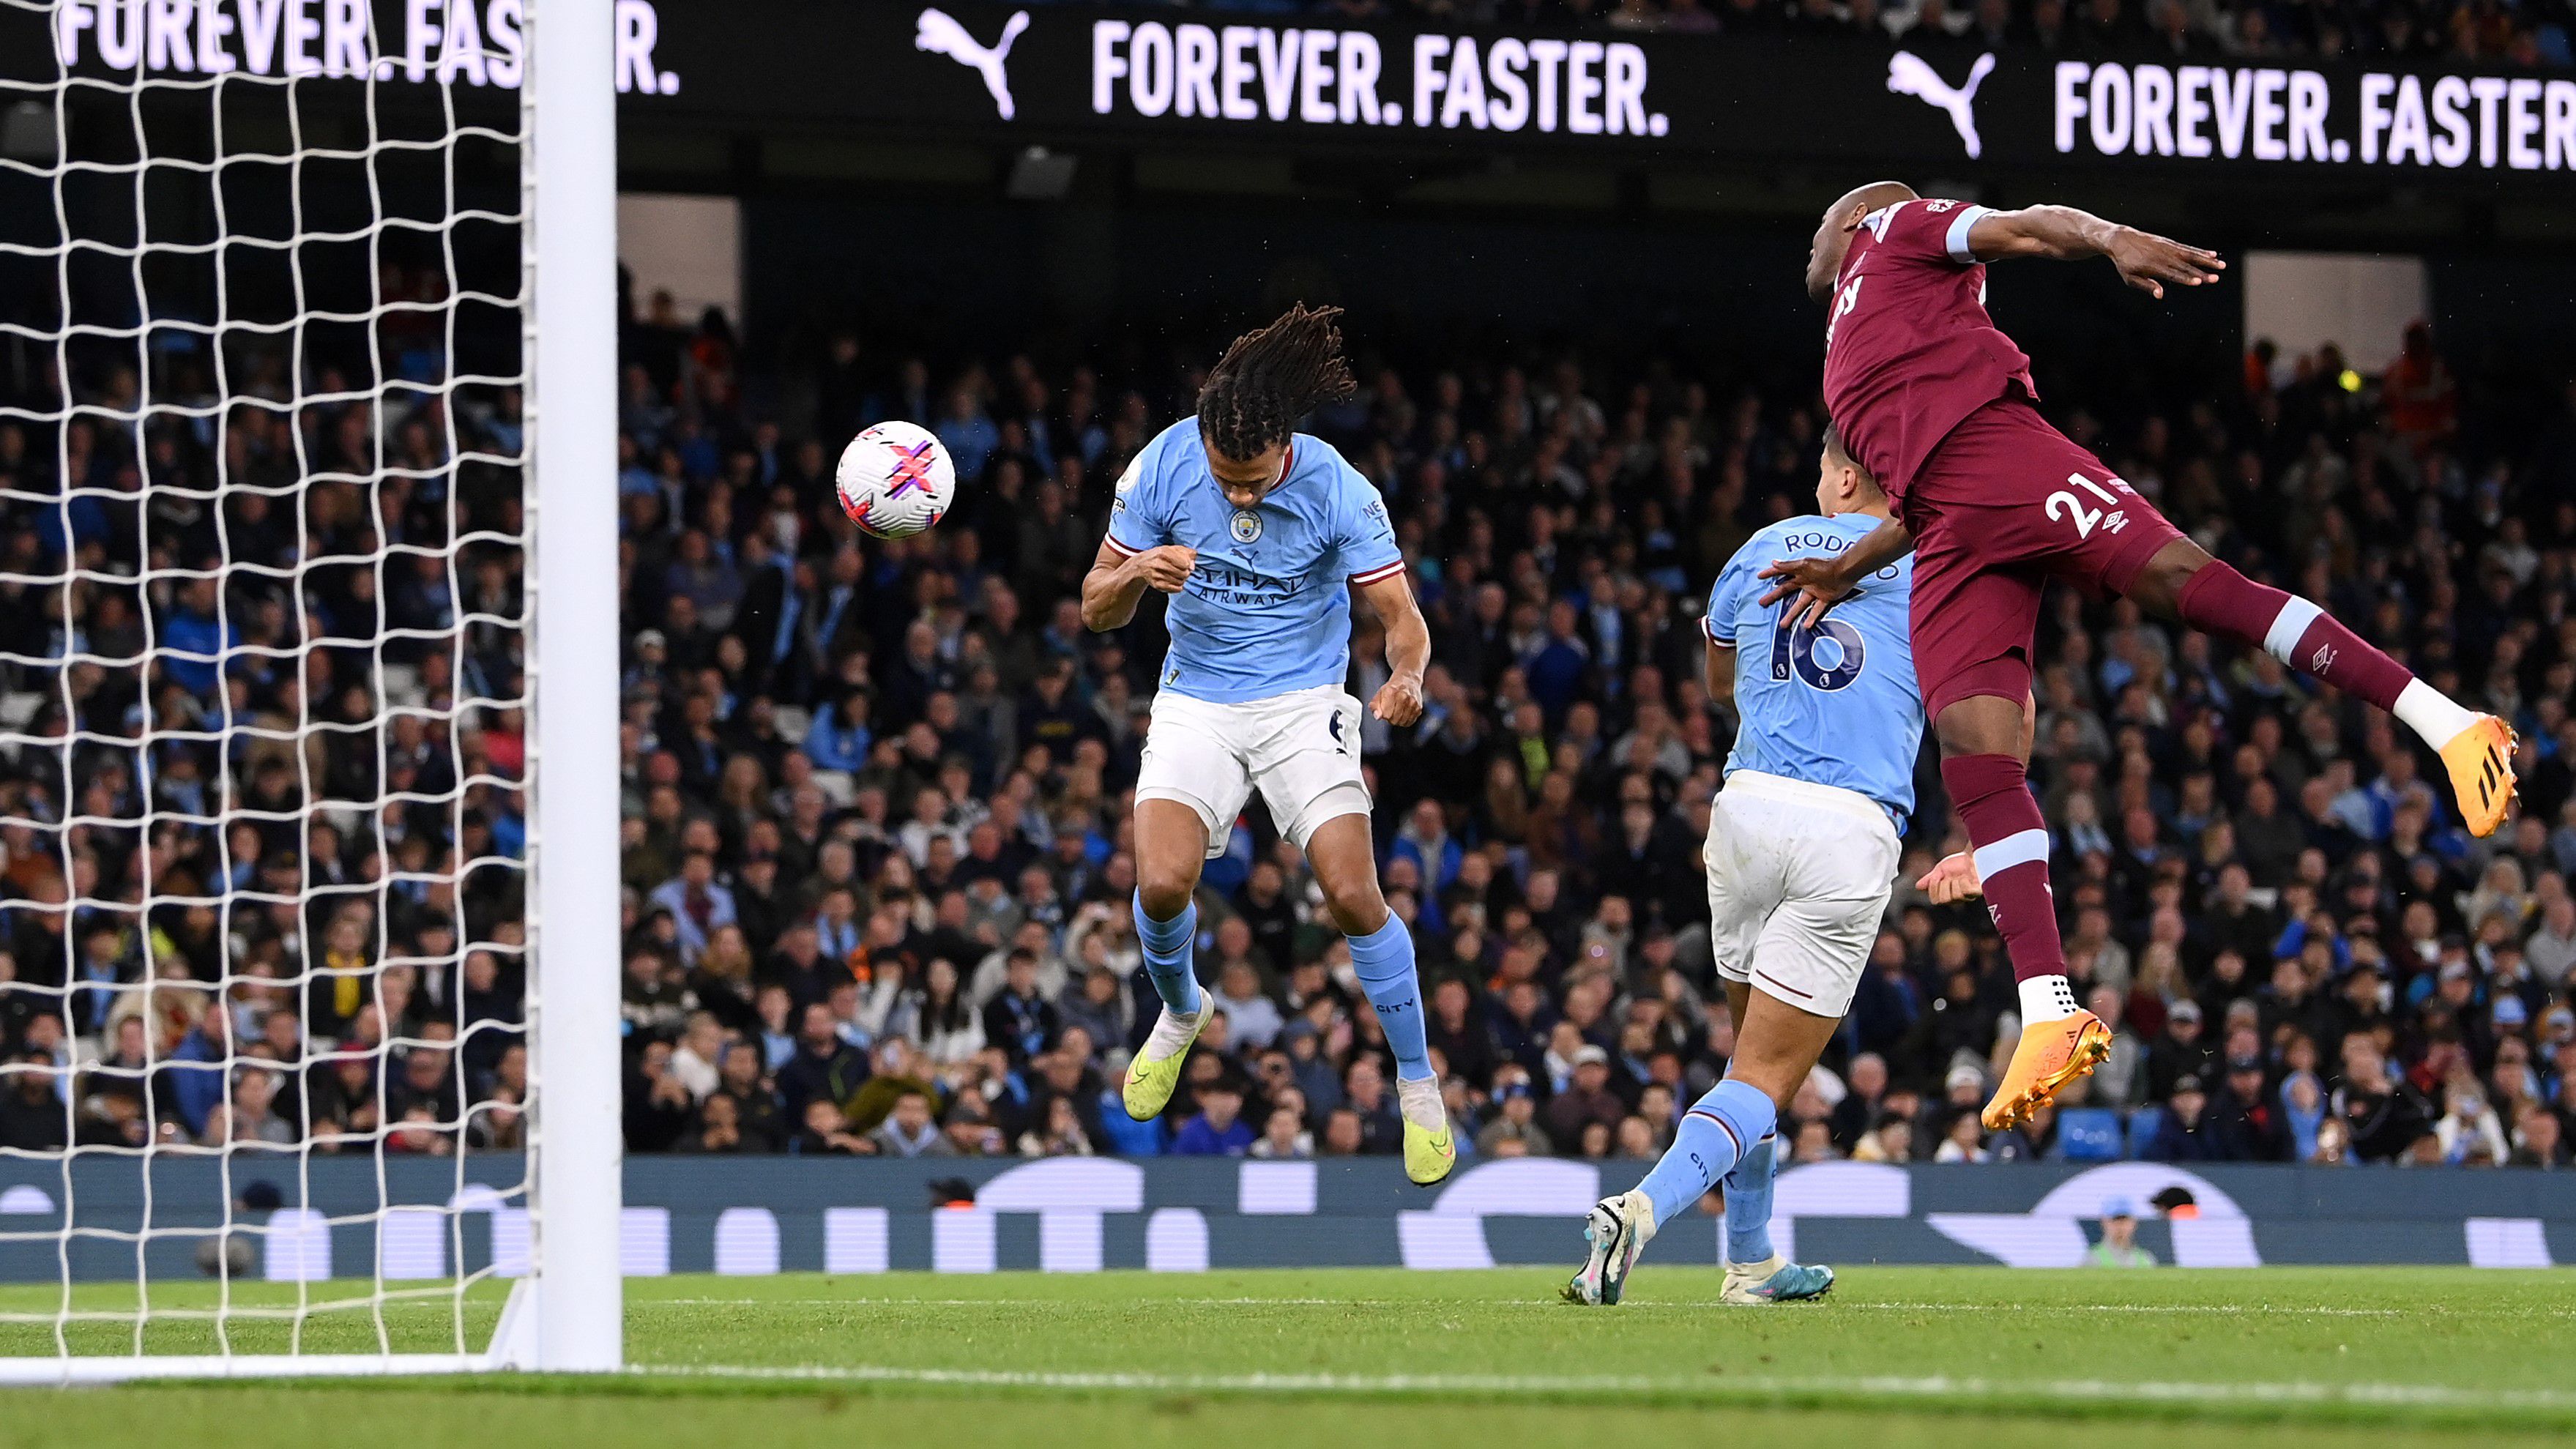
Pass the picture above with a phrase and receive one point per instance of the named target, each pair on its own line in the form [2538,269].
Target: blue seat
[2089,1134]
[2144,1123]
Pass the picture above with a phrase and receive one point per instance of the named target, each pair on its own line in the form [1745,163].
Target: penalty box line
[1893,1387]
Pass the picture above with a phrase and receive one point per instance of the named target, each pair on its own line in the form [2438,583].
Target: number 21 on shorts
[2064,506]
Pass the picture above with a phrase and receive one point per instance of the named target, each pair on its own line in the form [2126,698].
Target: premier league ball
[895,480]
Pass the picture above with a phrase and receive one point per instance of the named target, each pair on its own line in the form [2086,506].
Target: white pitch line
[2283,1309]
[1840,1305]
[1014,1304]
[1925,1387]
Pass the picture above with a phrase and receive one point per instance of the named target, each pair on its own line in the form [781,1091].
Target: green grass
[1990,1357]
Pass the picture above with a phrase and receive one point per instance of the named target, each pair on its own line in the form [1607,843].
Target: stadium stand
[878,847]
[876,832]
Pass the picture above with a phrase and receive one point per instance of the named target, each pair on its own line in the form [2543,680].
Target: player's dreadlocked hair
[1272,377]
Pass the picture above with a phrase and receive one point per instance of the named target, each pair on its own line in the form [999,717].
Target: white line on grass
[1551,1305]
[2285,1309]
[1014,1304]
[1926,1387]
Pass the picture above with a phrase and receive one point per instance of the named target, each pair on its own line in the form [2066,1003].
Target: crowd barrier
[855,1216]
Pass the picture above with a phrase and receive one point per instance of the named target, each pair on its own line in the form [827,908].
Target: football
[895,480]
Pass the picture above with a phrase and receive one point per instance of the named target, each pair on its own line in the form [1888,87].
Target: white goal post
[309,782]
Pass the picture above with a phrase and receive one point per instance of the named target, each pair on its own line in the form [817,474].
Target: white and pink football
[895,480]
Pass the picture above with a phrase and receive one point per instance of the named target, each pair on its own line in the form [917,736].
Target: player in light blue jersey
[1802,847]
[1259,533]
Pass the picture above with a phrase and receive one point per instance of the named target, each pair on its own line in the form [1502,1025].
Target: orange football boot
[2049,1055]
[2480,759]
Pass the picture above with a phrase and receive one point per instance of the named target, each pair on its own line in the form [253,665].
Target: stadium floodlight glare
[311,336]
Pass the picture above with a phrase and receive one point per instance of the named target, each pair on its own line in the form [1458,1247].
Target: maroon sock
[2221,601]
[1992,793]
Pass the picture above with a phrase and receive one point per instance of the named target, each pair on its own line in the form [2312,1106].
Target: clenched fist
[1167,568]
[1398,701]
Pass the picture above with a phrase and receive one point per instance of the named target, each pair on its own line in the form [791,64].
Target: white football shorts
[1302,748]
[1798,881]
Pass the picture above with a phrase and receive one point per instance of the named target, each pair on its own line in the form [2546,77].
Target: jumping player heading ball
[1936,402]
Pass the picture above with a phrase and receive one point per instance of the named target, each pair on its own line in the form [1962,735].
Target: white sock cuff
[2431,714]
[2282,639]
[2046,998]
[2019,848]
[1421,1103]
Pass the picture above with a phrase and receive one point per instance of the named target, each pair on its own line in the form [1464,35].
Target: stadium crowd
[2532,33]
[877,850]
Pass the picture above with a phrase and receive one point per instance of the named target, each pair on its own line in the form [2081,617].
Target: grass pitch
[1898,1357]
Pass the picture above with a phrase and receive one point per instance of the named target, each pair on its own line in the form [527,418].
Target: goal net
[307,1012]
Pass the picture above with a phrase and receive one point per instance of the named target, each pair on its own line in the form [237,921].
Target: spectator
[1217,1129]
[2118,1247]
[1284,1138]
[2245,1118]
[910,1131]
[2383,1115]
[2188,1133]
[1586,1100]
[825,1068]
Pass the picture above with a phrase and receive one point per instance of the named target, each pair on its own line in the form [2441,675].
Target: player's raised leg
[1171,844]
[1382,957]
[2183,582]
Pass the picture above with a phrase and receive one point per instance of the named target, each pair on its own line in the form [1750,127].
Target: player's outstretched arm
[1118,579]
[2061,233]
[1408,648]
[1824,581]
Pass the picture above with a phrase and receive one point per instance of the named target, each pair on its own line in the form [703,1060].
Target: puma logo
[1910,75]
[939,33]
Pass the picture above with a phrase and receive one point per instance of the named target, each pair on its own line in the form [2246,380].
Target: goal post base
[134,1368]
[514,1348]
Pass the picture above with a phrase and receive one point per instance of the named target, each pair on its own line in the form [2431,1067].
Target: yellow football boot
[2480,759]
[2049,1055]
[1152,1080]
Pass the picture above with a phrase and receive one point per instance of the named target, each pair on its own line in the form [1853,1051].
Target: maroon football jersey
[1909,349]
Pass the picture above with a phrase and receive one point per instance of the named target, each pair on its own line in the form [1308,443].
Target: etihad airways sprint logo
[938,32]
[1910,75]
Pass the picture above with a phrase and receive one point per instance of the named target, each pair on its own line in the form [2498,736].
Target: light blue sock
[1748,1203]
[1169,945]
[1383,960]
[1714,1133]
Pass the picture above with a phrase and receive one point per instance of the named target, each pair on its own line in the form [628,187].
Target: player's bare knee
[1980,725]
[2158,587]
[1165,890]
[1775,1080]
[1356,907]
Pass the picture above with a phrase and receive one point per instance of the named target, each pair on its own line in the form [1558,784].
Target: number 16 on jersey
[1794,651]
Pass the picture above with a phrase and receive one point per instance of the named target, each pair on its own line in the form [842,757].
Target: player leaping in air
[1802,845]
[1258,533]
[1937,403]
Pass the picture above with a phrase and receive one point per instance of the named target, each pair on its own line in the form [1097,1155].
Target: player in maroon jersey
[1937,403]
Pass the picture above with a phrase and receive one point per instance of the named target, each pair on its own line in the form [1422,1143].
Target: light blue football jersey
[1269,608]
[1832,704]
